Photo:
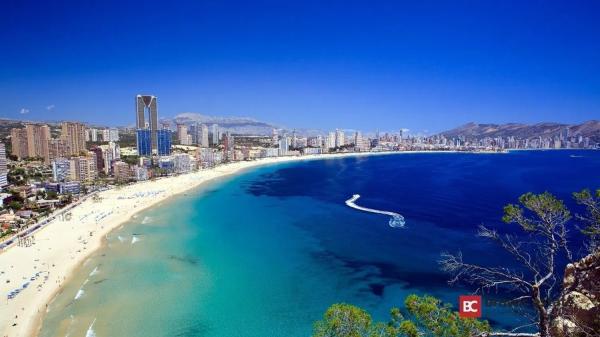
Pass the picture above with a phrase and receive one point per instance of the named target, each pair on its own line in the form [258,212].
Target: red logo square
[469,306]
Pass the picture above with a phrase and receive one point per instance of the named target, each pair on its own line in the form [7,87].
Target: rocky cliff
[577,311]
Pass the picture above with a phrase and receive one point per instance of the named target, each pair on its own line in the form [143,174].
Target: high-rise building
[74,135]
[93,135]
[203,136]
[228,143]
[83,169]
[147,116]
[339,138]
[37,141]
[284,145]
[182,135]
[98,153]
[331,140]
[3,166]
[18,140]
[216,135]
[58,148]
[163,142]
[121,171]
[113,135]
[144,142]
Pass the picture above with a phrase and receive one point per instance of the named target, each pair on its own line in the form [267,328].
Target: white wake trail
[397,220]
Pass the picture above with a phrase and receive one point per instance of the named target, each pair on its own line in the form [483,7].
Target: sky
[422,65]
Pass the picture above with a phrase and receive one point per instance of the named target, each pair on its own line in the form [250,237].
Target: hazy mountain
[239,125]
[473,130]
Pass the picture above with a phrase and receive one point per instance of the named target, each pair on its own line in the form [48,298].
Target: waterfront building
[144,142]
[284,146]
[18,140]
[166,163]
[275,136]
[3,166]
[183,163]
[163,142]
[312,150]
[140,173]
[269,152]
[147,117]
[339,138]
[61,169]
[330,141]
[121,171]
[229,145]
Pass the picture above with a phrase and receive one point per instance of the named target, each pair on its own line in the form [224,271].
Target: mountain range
[589,129]
[238,125]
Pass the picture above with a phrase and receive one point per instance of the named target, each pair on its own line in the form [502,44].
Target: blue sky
[422,65]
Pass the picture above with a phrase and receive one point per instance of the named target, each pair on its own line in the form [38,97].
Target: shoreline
[60,251]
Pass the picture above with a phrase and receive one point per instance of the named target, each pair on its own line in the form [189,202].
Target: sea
[265,252]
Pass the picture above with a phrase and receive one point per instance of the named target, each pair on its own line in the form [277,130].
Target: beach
[38,272]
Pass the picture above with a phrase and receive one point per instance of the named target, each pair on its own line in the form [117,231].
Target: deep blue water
[266,252]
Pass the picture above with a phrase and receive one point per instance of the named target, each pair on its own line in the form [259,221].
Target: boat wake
[396,221]
[90,331]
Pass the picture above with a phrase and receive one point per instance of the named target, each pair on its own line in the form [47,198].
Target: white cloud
[50,107]
[24,111]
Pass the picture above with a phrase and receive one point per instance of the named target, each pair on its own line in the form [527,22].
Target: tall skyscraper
[37,141]
[215,134]
[147,116]
[74,135]
[144,142]
[339,138]
[203,141]
[18,140]
[83,169]
[182,135]
[331,140]
[163,142]
[3,166]
[284,145]
[229,146]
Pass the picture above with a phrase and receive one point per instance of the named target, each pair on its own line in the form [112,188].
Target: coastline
[60,251]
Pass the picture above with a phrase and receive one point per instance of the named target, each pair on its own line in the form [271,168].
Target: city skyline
[294,65]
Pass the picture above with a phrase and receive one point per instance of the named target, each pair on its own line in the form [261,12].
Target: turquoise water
[266,252]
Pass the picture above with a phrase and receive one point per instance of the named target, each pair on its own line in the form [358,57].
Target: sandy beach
[40,270]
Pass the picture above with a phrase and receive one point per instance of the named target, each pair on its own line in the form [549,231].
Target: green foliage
[429,317]
[591,218]
[343,320]
[438,319]
[548,211]
[15,205]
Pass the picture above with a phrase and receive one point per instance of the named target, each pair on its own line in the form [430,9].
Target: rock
[577,311]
